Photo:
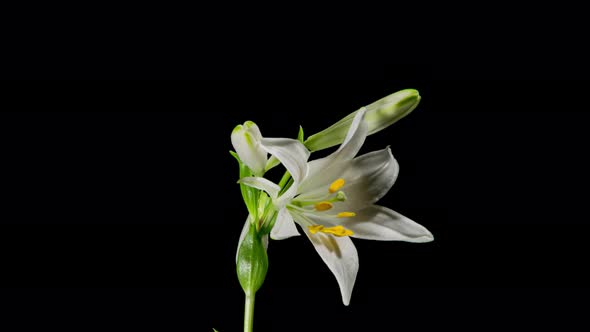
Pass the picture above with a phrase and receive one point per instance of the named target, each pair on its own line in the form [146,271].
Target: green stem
[249,313]
[286,177]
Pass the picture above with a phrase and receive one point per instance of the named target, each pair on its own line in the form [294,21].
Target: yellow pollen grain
[336,185]
[345,214]
[323,206]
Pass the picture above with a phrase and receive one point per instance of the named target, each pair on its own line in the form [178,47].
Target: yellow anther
[345,214]
[336,230]
[323,206]
[315,228]
[336,185]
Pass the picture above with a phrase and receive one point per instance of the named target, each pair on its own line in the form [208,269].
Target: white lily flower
[332,199]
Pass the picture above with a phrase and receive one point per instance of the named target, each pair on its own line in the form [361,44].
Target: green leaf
[214,330]
[252,263]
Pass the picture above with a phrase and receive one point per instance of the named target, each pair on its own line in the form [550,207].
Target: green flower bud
[252,262]
[380,115]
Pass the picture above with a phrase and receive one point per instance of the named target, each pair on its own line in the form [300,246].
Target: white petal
[284,227]
[322,170]
[253,129]
[380,223]
[367,179]
[354,138]
[243,235]
[263,184]
[293,155]
[246,142]
[340,254]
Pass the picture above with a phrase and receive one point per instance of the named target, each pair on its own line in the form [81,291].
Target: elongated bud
[380,115]
[246,140]
[387,111]
[252,262]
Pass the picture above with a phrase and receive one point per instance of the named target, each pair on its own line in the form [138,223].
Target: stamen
[336,230]
[345,214]
[336,185]
[323,206]
[315,228]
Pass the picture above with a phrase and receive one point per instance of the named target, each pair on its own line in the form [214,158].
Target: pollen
[345,214]
[336,185]
[323,206]
[336,230]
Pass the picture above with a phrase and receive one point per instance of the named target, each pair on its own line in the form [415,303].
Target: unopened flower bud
[246,140]
[379,115]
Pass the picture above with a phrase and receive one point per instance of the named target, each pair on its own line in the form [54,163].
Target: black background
[121,211]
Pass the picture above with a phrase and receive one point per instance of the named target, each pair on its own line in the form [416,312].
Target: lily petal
[290,152]
[246,142]
[284,226]
[321,169]
[340,254]
[293,155]
[367,179]
[354,138]
[380,223]
[263,184]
